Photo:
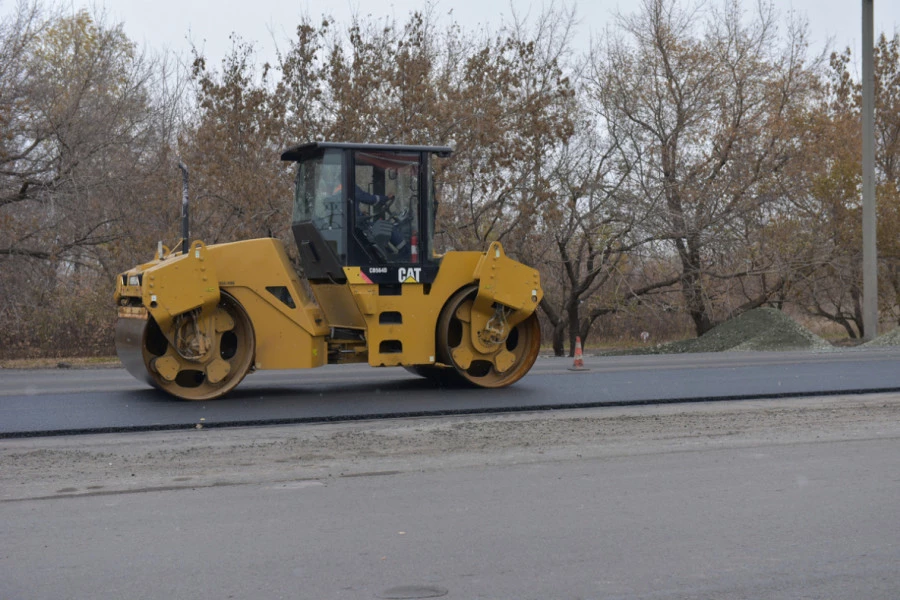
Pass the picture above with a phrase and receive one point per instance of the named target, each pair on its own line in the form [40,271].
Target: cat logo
[409,275]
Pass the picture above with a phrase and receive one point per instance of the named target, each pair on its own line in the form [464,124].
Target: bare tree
[239,187]
[513,110]
[595,232]
[79,130]
[81,139]
[825,222]
[706,116]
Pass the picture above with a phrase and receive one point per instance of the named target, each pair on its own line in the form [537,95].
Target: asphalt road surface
[778,499]
[40,402]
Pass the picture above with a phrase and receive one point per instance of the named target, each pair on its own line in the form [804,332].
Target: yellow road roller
[196,319]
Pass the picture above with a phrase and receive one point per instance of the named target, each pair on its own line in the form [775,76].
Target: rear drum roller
[506,364]
[218,356]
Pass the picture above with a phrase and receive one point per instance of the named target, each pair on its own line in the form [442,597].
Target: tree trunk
[559,339]
[856,294]
[846,325]
[574,323]
[692,286]
[559,327]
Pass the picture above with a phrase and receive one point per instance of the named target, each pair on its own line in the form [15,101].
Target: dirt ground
[130,463]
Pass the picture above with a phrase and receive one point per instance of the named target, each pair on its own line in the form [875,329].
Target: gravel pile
[760,329]
[891,338]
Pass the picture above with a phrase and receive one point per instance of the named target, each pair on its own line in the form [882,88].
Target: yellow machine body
[400,330]
[195,323]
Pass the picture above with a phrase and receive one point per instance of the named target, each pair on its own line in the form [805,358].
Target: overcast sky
[174,24]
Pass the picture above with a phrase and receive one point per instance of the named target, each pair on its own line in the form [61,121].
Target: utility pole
[870,250]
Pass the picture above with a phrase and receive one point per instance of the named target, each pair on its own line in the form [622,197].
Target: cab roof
[304,151]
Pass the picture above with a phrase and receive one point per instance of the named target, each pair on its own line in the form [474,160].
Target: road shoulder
[59,467]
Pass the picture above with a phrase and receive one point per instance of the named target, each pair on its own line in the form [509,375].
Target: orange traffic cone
[578,365]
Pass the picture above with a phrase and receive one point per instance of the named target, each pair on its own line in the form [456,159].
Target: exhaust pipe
[185,218]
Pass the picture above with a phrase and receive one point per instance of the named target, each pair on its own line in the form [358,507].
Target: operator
[379,201]
[376,200]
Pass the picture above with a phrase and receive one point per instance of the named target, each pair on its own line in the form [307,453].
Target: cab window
[319,197]
[385,196]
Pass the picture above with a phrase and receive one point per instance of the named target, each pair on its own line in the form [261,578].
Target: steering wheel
[384,208]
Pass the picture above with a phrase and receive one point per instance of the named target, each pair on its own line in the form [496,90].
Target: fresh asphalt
[68,401]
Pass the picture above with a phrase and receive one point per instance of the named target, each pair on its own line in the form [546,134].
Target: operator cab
[365,205]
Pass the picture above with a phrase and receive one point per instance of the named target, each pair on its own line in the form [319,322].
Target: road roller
[197,318]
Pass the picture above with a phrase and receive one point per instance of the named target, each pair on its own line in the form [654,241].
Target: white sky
[173,24]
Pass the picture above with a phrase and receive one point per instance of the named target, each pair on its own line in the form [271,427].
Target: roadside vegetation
[699,162]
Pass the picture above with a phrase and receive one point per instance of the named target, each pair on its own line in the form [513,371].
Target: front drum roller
[211,362]
[507,362]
